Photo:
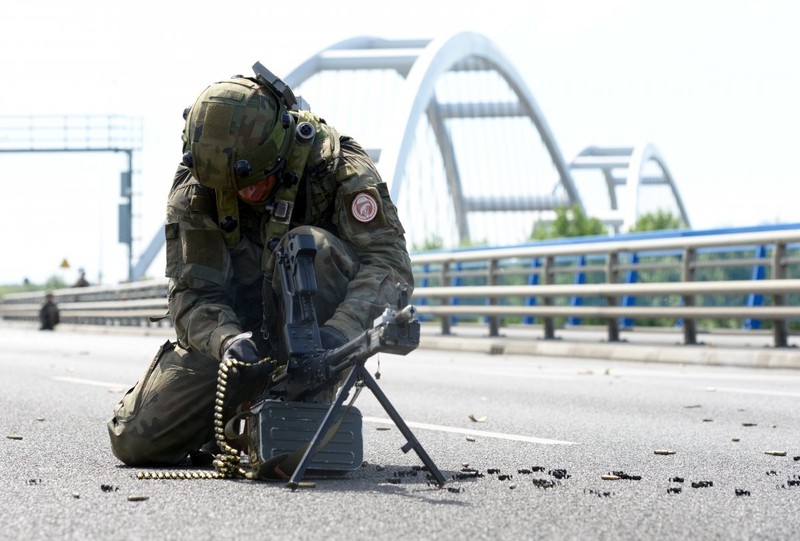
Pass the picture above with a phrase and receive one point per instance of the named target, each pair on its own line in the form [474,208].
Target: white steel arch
[422,63]
[439,57]
[634,165]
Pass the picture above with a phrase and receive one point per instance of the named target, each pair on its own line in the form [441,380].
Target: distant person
[48,314]
[82,281]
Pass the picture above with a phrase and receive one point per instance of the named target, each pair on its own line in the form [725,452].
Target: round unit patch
[364,208]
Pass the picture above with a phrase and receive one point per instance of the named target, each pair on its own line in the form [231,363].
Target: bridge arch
[628,172]
[422,64]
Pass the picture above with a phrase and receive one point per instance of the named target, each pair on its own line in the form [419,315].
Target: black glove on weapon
[331,338]
[242,348]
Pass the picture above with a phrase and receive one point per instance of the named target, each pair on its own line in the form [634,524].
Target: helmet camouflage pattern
[234,134]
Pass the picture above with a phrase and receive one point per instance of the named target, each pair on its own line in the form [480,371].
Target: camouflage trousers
[169,412]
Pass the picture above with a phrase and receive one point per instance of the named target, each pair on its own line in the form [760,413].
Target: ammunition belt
[227,462]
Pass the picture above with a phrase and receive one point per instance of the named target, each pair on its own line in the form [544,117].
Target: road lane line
[754,391]
[529,375]
[379,420]
[469,432]
[92,382]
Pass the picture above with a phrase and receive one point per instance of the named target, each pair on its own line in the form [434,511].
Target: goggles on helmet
[258,192]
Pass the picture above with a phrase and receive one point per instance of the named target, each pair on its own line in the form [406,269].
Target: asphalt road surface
[531,464]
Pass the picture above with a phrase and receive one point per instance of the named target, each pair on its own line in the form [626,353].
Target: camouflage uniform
[217,291]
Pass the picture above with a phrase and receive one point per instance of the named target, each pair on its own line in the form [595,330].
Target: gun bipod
[360,374]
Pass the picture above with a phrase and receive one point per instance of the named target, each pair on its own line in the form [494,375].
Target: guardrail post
[687,275]
[756,299]
[547,321]
[780,327]
[580,278]
[533,280]
[611,278]
[455,282]
[425,282]
[491,280]
[631,277]
[445,301]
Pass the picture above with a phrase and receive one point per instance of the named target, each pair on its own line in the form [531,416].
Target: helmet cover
[235,134]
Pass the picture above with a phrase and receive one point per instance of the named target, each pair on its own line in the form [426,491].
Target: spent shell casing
[664,452]
[135,498]
[776,453]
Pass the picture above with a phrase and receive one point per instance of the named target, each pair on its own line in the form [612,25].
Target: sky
[712,84]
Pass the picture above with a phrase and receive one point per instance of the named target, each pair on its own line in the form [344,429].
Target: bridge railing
[684,278]
[131,304]
[621,282]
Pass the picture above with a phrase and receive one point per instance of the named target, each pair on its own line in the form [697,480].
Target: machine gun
[312,372]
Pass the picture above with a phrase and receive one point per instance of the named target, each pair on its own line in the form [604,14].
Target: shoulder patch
[364,207]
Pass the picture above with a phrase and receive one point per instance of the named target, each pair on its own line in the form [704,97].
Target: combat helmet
[249,138]
[239,131]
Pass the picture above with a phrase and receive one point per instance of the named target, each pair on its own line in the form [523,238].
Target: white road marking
[476,433]
[530,375]
[379,420]
[755,391]
[92,382]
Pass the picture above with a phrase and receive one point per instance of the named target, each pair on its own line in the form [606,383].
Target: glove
[331,338]
[242,348]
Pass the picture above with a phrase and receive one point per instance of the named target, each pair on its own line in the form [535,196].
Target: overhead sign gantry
[81,133]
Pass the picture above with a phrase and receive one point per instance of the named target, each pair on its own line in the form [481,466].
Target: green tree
[432,242]
[55,282]
[569,222]
[435,242]
[658,221]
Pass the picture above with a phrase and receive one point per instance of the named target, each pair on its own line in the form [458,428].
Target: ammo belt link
[227,462]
